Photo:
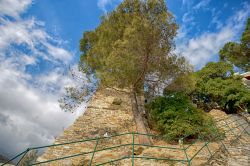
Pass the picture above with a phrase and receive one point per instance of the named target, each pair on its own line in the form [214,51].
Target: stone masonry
[109,113]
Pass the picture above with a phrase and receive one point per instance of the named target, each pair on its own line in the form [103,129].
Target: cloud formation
[203,48]
[201,4]
[103,4]
[32,78]
[13,8]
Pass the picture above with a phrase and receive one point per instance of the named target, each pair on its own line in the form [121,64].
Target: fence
[184,157]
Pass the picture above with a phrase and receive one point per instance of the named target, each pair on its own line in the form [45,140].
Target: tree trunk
[140,126]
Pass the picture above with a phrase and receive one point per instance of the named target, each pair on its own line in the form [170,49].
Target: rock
[138,151]
[117,101]
[67,163]
[99,118]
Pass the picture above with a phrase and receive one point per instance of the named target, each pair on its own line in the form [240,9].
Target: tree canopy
[184,83]
[133,46]
[238,53]
[217,82]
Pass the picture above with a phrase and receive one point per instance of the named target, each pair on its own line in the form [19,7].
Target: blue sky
[39,40]
[69,19]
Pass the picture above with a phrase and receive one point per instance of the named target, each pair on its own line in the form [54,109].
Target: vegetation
[132,48]
[184,83]
[216,82]
[215,85]
[238,53]
[175,117]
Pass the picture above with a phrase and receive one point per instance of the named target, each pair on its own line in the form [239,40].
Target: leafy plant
[217,83]
[175,117]
[238,53]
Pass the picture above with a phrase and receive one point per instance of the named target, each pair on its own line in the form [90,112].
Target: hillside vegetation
[133,48]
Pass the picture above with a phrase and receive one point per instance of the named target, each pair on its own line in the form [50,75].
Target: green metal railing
[216,135]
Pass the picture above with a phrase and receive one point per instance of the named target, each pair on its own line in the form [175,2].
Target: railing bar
[14,158]
[236,136]
[192,143]
[66,143]
[154,158]
[111,161]
[186,154]
[239,135]
[79,154]
[198,151]
[244,129]
[218,136]
[225,131]
[154,146]
[133,147]
[209,150]
[22,156]
[230,122]
[97,141]
[235,127]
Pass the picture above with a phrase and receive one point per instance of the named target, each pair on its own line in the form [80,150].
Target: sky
[39,41]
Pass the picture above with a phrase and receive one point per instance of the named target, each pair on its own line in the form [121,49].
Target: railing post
[23,156]
[209,150]
[92,157]
[219,135]
[230,129]
[14,158]
[133,147]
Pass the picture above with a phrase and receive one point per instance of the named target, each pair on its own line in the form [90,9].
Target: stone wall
[109,112]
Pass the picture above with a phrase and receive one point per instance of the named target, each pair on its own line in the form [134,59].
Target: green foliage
[133,46]
[238,53]
[175,117]
[215,70]
[184,83]
[216,83]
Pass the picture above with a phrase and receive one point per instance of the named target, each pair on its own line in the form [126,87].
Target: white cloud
[187,17]
[13,8]
[31,113]
[59,53]
[216,19]
[201,4]
[31,34]
[187,3]
[29,109]
[203,48]
[103,4]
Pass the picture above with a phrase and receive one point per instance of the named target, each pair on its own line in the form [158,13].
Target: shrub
[175,117]
[217,83]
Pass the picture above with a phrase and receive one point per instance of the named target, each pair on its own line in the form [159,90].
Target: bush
[217,83]
[175,117]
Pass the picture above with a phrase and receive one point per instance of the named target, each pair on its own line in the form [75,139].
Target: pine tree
[238,54]
[133,48]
